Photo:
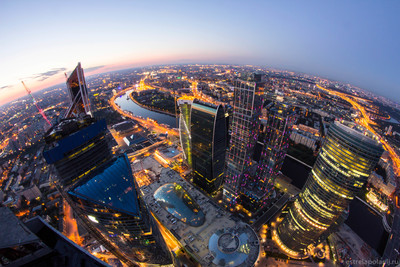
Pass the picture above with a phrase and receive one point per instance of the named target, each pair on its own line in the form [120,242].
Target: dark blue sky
[353,41]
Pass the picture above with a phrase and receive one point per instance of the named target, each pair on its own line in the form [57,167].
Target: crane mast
[36,104]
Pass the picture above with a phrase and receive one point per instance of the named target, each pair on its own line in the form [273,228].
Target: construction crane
[36,104]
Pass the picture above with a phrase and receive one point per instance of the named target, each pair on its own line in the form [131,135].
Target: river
[127,104]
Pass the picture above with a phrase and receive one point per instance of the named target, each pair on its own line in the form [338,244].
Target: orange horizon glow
[16,90]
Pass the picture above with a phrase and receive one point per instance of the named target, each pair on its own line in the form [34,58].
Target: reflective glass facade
[78,93]
[276,127]
[208,131]
[174,199]
[244,128]
[344,163]
[109,198]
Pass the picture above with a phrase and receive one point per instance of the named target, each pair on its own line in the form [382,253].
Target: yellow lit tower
[347,158]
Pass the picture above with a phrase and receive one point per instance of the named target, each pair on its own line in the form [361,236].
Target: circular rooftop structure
[237,246]
[174,199]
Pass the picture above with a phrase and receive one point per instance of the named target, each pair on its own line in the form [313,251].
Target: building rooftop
[195,239]
[124,126]
[234,246]
[13,231]
[36,243]
[111,185]
[358,131]
[173,198]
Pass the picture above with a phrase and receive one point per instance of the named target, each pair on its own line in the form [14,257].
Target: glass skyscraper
[244,129]
[109,197]
[102,191]
[78,92]
[185,107]
[276,124]
[343,165]
[99,187]
[208,132]
[76,146]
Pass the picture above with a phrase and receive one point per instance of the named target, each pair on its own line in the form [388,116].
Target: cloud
[4,87]
[45,75]
[93,68]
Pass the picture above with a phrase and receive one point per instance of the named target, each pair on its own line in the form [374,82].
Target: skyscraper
[247,105]
[109,197]
[344,163]
[185,108]
[276,124]
[79,97]
[76,146]
[208,132]
[101,189]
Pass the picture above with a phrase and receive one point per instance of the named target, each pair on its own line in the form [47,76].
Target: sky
[350,41]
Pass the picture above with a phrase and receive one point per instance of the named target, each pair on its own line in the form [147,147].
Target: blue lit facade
[76,146]
[109,198]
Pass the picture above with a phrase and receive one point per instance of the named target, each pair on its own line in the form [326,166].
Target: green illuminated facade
[185,107]
[344,163]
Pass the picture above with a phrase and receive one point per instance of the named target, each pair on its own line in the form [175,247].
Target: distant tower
[247,105]
[208,131]
[344,163]
[78,93]
[276,125]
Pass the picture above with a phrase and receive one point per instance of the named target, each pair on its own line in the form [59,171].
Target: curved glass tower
[344,163]
[208,145]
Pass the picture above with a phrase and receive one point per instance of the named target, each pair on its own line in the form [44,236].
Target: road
[367,122]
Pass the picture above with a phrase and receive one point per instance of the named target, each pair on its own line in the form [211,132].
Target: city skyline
[350,42]
[124,171]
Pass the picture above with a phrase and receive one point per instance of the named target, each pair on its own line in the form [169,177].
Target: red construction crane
[36,104]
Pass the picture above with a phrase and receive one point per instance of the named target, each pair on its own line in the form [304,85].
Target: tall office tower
[78,93]
[344,163]
[102,191]
[109,197]
[76,146]
[208,131]
[276,124]
[185,107]
[36,243]
[247,105]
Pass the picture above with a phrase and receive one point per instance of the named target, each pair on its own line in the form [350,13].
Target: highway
[367,122]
